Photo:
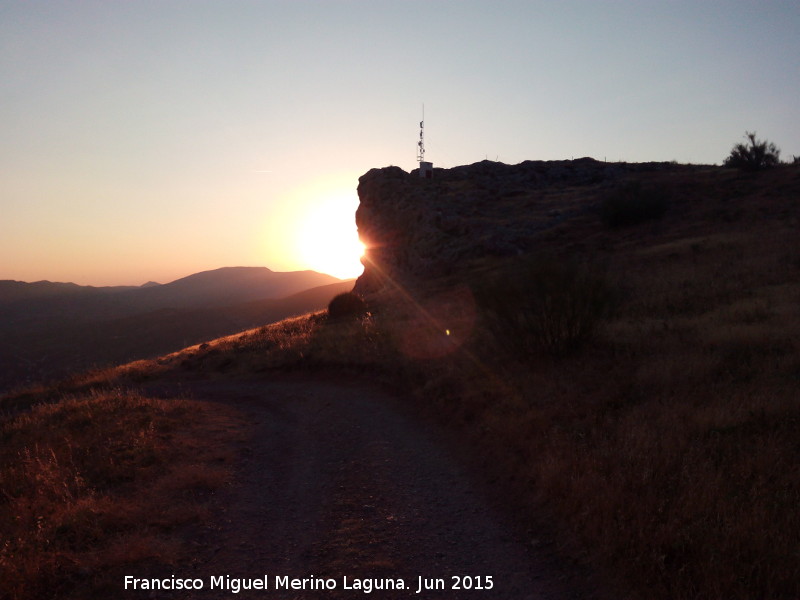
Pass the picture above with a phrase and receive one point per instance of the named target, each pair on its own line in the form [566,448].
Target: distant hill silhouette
[228,285]
[50,329]
[17,291]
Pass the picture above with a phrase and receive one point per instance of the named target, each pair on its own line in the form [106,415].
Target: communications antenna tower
[425,168]
[421,143]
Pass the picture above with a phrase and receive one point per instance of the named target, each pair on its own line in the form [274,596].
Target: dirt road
[337,481]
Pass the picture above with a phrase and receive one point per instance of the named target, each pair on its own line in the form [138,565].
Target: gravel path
[336,482]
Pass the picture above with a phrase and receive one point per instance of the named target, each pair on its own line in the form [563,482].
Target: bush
[346,305]
[753,156]
[544,305]
[632,203]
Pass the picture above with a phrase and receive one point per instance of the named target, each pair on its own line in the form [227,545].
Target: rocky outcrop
[416,228]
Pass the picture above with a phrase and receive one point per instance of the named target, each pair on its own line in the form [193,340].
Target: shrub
[755,155]
[631,203]
[544,305]
[346,305]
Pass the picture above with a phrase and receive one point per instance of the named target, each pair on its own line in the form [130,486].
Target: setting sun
[327,240]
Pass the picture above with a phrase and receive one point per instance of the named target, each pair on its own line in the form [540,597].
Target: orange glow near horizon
[327,240]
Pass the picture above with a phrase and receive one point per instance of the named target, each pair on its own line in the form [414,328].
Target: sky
[148,140]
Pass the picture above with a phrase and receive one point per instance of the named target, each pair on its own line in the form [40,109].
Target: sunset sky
[148,140]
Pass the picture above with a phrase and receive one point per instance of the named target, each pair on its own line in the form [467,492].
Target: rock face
[416,228]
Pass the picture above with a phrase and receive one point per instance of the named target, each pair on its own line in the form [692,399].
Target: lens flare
[328,239]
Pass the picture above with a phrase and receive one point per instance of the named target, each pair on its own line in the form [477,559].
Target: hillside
[226,286]
[12,292]
[219,287]
[611,349]
[50,329]
[419,230]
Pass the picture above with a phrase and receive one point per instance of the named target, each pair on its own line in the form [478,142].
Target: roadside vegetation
[631,203]
[541,304]
[644,414]
[754,155]
[98,483]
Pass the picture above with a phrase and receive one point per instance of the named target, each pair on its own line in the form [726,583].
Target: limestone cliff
[417,229]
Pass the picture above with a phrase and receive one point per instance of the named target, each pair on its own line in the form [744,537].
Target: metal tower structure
[421,143]
[425,168]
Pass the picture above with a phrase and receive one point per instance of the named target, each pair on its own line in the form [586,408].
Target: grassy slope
[98,483]
[664,452]
[41,347]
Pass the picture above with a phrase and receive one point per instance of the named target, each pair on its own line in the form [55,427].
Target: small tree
[346,306]
[753,156]
[544,304]
[631,203]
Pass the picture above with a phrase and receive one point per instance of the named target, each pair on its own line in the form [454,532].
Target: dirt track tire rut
[337,481]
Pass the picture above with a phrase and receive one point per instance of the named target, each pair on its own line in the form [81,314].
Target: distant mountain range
[49,329]
[219,287]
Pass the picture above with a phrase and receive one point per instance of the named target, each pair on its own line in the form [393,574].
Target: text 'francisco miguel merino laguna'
[282,582]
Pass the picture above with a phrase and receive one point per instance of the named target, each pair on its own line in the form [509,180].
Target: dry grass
[667,453]
[96,483]
[664,452]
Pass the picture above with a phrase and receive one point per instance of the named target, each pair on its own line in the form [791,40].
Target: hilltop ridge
[654,450]
[417,229]
[215,287]
[49,329]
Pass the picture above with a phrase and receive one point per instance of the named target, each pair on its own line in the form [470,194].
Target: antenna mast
[425,168]
[421,143]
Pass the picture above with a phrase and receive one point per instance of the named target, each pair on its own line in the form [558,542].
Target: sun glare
[328,239]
